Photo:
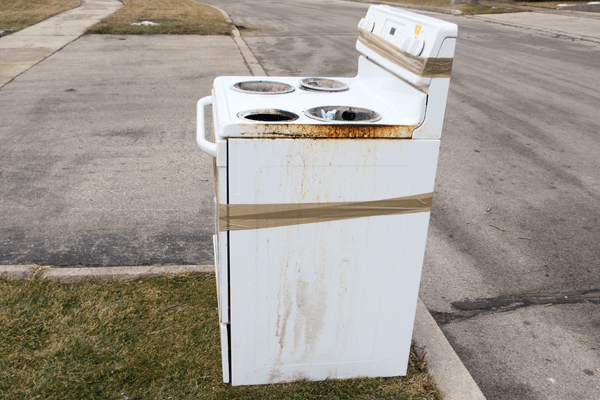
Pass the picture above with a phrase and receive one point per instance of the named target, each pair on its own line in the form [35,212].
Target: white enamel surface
[416,47]
[414,33]
[224,352]
[432,31]
[436,107]
[222,276]
[405,106]
[222,253]
[208,147]
[366,25]
[334,299]
[218,276]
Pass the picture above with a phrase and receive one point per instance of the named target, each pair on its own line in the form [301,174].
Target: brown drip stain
[330,131]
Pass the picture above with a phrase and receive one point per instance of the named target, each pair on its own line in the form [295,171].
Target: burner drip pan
[323,85]
[268,115]
[262,87]
[342,114]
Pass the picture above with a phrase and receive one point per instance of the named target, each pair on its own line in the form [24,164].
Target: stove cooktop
[283,106]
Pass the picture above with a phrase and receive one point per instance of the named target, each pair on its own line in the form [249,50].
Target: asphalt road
[515,225]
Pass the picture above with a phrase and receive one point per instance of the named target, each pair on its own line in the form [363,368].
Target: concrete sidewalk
[27,47]
[577,25]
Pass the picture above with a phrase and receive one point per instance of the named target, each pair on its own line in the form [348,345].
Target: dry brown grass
[549,4]
[183,17]
[465,7]
[19,14]
[155,338]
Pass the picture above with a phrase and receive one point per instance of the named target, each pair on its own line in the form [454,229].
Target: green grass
[19,14]
[175,17]
[155,338]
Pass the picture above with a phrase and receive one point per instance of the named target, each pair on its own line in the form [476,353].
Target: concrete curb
[533,28]
[108,273]
[580,7]
[443,364]
[251,62]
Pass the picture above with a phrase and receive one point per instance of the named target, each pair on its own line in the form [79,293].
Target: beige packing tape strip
[421,66]
[236,217]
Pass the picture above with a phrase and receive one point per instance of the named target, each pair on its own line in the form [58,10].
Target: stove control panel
[405,43]
[412,33]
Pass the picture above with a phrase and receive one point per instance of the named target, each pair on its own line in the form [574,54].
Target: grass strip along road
[19,14]
[173,17]
[154,338]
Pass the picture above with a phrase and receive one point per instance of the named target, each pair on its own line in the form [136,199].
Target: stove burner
[342,114]
[268,115]
[262,87]
[323,85]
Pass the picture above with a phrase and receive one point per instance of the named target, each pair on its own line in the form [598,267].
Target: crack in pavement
[468,309]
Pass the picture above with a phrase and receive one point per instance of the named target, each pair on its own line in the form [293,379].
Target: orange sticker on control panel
[417,29]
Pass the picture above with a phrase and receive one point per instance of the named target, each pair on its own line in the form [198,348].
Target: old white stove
[324,190]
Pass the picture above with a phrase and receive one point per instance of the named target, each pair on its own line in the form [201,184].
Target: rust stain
[329,131]
[285,306]
[284,310]
[311,308]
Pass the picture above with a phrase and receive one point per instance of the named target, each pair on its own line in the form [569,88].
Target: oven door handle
[208,147]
